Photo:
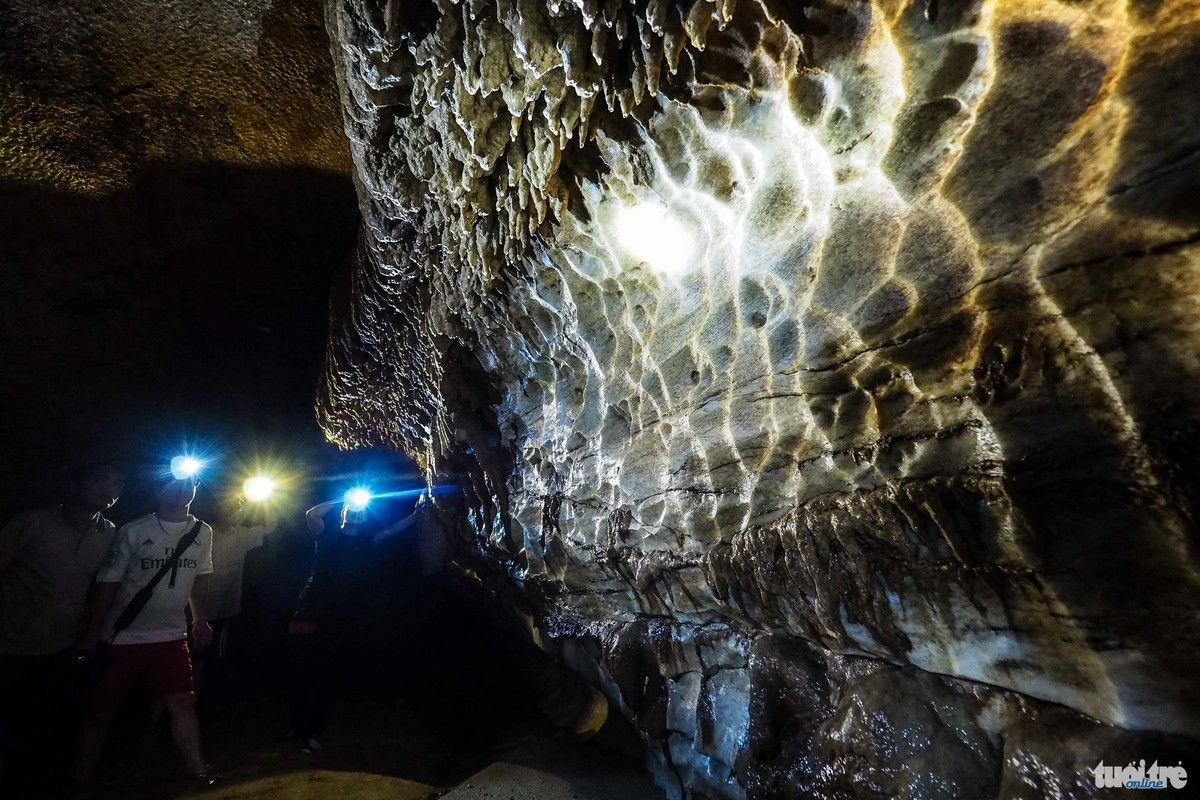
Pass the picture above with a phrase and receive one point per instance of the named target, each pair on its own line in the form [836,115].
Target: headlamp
[358,498]
[186,468]
[258,488]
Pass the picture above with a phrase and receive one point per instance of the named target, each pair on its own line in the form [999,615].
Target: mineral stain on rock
[823,372]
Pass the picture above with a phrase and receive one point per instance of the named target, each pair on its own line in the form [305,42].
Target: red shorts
[165,667]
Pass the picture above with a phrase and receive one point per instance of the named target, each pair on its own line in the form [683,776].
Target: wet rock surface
[822,373]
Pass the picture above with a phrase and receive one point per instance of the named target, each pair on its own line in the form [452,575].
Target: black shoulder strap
[143,595]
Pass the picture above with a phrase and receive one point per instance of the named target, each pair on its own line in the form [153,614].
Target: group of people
[90,613]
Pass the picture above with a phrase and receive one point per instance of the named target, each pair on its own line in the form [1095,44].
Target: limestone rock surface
[823,373]
[92,94]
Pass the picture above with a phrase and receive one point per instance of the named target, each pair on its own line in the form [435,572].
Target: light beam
[184,467]
[358,498]
[259,488]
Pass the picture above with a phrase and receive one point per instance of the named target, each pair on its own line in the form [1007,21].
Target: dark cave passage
[191,303]
[175,206]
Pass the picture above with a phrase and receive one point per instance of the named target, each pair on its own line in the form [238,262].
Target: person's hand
[202,633]
[86,645]
[301,627]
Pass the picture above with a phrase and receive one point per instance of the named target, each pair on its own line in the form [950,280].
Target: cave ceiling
[92,92]
[175,194]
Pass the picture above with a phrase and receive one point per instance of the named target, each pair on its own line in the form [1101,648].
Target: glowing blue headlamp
[358,498]
[186,468]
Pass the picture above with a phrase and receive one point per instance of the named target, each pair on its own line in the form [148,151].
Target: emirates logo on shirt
[168,552]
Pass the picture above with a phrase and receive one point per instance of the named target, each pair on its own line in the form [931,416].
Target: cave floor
[373,751]
[543,769]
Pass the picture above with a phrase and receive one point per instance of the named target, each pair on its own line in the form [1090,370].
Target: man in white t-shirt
[153,648]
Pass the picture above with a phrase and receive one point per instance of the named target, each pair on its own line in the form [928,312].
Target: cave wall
[824,373]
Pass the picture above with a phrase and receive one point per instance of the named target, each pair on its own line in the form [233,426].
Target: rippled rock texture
[825,372]
[95,92]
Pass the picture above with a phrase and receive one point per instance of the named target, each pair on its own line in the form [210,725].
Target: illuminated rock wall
[825,372]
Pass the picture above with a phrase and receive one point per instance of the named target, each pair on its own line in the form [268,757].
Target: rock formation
[823,373]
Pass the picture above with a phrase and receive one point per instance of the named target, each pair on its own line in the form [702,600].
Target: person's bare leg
[91,745]
[185,730]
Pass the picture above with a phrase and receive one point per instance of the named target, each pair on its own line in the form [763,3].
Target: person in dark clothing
[334,618]
[241,528]
[48,559]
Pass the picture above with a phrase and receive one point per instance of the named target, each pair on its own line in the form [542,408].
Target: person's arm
[383,534]
[201,630]
[13,538]
[304,618]
[315,516]
[302,621]
[103,595]
[108,580]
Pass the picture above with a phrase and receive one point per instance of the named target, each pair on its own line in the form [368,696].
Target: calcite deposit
[822,374]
